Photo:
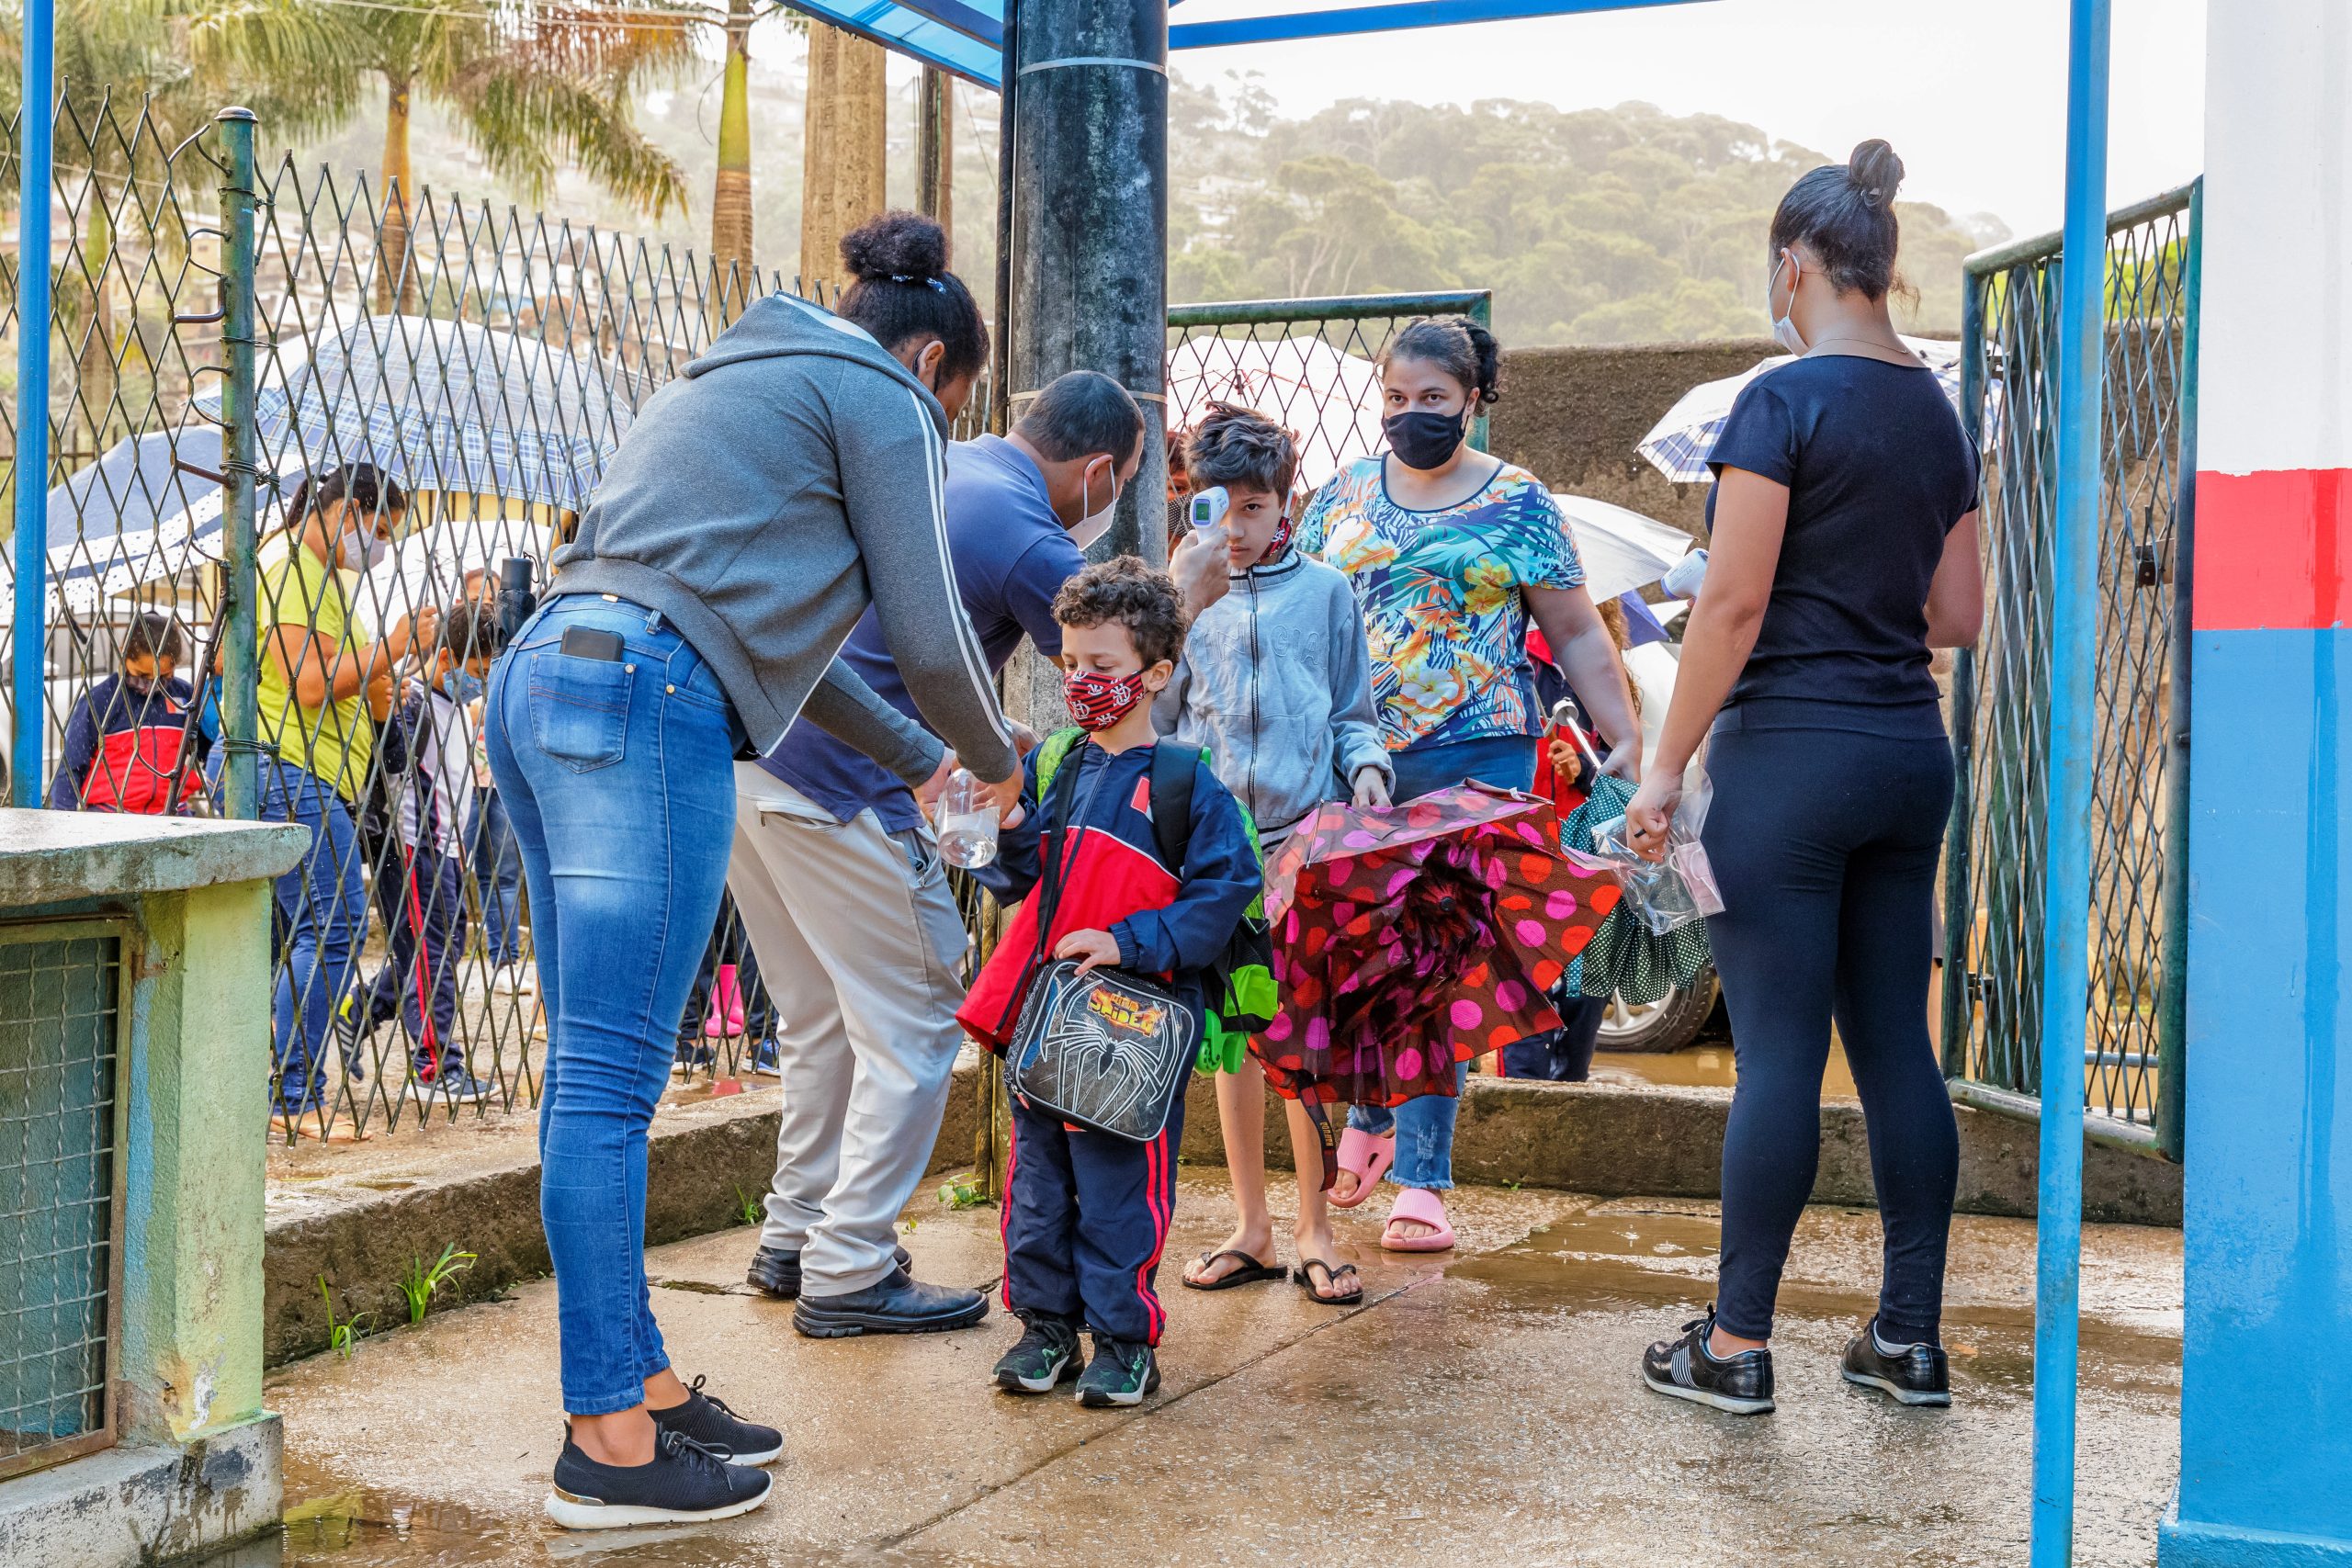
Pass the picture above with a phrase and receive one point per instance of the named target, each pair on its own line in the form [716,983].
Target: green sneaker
[1047,1354]
[1121,1372]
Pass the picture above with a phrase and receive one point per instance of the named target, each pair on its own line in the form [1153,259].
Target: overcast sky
[1972,93]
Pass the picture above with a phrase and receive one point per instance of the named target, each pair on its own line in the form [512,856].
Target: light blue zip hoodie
[1276,682]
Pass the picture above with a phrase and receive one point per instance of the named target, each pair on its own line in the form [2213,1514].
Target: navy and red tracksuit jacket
[123,749]
[1086,1214]
[1113,879]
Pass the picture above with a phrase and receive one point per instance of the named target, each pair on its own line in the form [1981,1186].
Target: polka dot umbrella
[1410,938]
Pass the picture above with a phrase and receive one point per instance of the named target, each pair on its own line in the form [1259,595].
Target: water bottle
[967,823]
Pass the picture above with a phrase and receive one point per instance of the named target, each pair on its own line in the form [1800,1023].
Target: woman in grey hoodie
[758,505]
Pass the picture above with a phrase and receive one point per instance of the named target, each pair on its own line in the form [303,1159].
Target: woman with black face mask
[1452,553]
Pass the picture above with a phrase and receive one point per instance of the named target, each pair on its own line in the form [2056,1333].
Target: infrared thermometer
[1208,509]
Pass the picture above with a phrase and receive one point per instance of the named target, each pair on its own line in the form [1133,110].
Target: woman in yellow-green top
[323,687]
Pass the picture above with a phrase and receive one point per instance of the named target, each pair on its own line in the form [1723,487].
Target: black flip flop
[1304,1275]
[1250,1274]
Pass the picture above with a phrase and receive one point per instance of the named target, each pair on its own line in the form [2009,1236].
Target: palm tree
[532,84]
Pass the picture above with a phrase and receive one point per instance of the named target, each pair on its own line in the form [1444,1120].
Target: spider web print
[1091,1070]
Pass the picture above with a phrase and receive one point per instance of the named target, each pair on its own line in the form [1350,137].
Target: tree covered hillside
[1590,225]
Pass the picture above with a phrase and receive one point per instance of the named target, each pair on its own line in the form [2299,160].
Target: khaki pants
[858,938]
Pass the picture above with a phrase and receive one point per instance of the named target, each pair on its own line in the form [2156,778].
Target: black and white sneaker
[685,1484]
[706,1418]
[1045,1355]
[1911,1374]
[1122,1373]
[1686,1368]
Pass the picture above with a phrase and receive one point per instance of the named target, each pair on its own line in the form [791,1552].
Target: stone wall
[1572,415]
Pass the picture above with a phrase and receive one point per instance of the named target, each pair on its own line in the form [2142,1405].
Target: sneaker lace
[693,1455]
[717,1404]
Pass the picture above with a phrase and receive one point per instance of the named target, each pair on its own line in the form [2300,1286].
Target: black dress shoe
[706,1419]
[1685,1367]
[1912,1374]
[776,1272]
[896,1304]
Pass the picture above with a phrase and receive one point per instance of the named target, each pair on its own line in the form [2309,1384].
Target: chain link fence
[454,377]
[1995,860]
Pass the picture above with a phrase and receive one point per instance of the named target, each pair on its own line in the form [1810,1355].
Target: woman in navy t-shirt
[1844,519]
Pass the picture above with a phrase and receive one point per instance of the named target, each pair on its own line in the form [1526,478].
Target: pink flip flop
[1369,1157]
[1422,1207]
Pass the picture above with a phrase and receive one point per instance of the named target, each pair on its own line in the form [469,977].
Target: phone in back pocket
[591,642]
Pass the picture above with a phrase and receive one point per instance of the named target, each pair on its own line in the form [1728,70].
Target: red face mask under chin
[1097,701]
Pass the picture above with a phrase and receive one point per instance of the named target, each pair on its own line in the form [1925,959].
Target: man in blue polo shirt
[843,896]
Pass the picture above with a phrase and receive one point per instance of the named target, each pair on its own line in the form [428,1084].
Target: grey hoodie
[762,502]
[1276,682]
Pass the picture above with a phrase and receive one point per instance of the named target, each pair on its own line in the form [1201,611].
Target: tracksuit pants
[1086,1218]
[426,936]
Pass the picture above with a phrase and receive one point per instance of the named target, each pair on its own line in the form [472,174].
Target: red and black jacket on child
[124,750]
[1171,922]
[1562,786]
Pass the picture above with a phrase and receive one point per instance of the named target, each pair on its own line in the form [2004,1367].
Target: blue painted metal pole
[35,155]
[2066,988]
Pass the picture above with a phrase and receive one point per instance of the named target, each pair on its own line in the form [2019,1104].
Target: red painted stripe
[2273,549]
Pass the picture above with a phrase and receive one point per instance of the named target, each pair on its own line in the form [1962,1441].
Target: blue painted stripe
[2269,1218]
[33,169]
[1342,21]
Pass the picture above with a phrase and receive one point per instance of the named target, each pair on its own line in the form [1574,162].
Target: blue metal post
[35,155]
[2065,987]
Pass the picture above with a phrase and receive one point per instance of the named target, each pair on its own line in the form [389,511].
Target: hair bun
[896,247]
[1874,171]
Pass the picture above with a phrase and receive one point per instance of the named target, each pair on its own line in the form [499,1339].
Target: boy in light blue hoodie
[1276,682]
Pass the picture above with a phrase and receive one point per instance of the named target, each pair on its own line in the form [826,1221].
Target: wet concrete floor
[1480,1407]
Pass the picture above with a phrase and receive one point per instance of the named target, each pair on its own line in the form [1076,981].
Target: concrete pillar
[1089,221]
[194,1458]
[2266,1447]
[844,154]
[1089,246]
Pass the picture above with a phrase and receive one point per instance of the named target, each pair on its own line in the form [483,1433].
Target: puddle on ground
[1706,1064]
[385,1183]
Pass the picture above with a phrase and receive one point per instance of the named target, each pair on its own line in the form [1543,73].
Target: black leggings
[1825,844]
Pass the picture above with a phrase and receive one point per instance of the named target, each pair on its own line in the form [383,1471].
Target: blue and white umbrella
[1677,444]
[453,406]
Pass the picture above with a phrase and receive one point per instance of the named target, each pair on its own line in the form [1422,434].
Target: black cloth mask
[1423,440]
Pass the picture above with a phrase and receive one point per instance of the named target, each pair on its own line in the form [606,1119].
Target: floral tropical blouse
[1441,592]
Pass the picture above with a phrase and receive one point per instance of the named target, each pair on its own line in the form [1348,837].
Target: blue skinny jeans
[618,779]
[1424,1126]
[322,914]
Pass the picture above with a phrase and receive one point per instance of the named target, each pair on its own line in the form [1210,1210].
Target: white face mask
[361,549]
[1784,330]
[1094,525]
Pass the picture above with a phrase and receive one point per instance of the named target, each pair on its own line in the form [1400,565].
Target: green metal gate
[1994,861]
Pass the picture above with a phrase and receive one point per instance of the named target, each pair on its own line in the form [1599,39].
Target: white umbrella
[1621,550]
[1677,444]
[1330,400]
[429,566]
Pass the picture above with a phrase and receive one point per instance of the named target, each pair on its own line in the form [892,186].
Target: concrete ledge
[2188,1543]
[144,1504]
[46,856]
[1598,1139]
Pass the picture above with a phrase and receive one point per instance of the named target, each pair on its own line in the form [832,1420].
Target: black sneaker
[1911,1374]
[896,1303]
[1046,1354]
[1686,1368]
[706,1418]
[452,1086]
[1121,1372]
[776,1272]
[684,1482]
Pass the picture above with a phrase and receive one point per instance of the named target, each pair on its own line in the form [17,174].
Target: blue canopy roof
[967,37]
